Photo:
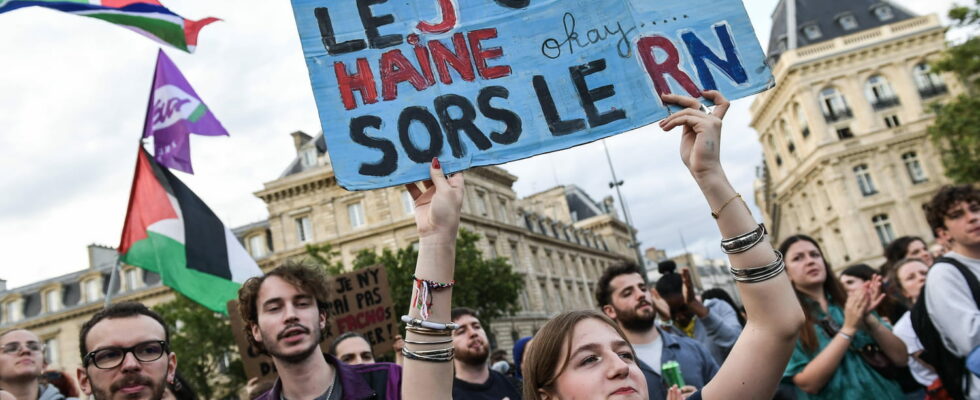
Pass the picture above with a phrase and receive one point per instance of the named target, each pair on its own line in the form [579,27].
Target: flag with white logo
[175,112]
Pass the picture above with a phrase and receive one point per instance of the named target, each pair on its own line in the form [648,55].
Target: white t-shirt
[903,329]
[650,353]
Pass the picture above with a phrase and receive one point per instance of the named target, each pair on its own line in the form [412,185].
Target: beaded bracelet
[422,300]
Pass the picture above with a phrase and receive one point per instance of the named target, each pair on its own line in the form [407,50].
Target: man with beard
[474,379]
[623,295]
[21,363]
[125,354]
[285,314]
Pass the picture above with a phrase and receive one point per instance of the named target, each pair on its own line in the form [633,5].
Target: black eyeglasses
[112,357]
[15,347]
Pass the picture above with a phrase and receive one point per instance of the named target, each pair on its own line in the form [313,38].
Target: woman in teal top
[826,363]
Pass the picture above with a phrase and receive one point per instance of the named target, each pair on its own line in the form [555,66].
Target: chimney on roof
[300,138]
[99,256]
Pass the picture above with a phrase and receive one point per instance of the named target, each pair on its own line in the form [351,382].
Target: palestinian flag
[146,17]
[170,231]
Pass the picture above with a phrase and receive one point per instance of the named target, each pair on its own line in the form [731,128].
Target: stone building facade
[847,158]
[559,240]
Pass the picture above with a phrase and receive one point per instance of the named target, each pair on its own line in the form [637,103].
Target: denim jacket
[697,364]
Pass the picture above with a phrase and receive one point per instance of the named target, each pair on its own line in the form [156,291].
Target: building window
[864,181]
[930,84]
[52,298]
[51,351]
[884,229]
[884,12]
[256,246]
[892,121]
[880,93]
[848,21]
[502,210]
[787,136]
[309,157]
[481,203]
[513,254]
[492,247]
[912,165]
[801,119]
[844,133]
[93,290]
[408,204]
[783,43]
[304,229]
[834,105]
[356,214]
[812,32]
[14,310]
[132,279]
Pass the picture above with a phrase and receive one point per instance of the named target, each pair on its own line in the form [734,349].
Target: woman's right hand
[437,209]
[854,311]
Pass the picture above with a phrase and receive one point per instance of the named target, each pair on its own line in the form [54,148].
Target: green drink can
[671,372]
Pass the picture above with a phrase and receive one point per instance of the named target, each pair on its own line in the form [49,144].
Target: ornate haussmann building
[559,240]
[847,158]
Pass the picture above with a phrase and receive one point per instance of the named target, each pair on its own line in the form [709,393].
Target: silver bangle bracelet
[441,355]
[846,336]
[428,325]
[745,241]
[759,274]
[424,343]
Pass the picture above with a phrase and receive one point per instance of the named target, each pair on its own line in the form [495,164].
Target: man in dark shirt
[474,379]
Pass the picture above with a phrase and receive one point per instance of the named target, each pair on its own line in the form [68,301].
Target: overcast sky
[73,94]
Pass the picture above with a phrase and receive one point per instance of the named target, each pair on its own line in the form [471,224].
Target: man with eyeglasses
[21,364]
[125,354]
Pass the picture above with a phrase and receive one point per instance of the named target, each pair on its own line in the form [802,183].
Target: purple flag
[174,113]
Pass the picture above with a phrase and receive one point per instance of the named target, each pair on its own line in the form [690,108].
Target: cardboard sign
[359,301]
[481,82]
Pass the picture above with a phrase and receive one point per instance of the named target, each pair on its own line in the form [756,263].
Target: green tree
[956,130]
[324,255]
[207,356]
[489,286]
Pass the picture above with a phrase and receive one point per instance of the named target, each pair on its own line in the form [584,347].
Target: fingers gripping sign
[701,139]
[437,207]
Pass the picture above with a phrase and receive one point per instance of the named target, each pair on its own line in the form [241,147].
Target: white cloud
[73,95]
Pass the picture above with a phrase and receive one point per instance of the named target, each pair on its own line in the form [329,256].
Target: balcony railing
[838,115]
[886,103]
[933,91]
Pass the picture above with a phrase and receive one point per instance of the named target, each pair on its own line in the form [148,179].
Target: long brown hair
[541,363]
[831,286]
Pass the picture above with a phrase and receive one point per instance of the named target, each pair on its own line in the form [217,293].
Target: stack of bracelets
[441,333]
[745,242]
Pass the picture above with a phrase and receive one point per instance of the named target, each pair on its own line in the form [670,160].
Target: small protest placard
[484,82]
[359,301]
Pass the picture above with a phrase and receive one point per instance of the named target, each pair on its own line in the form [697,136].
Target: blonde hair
[552,343]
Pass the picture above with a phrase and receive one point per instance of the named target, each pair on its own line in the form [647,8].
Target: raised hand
[690,297]
[701,140]
[437,208]
[855,310]
[660,305]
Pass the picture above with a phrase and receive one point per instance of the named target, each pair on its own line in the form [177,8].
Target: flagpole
[113,279]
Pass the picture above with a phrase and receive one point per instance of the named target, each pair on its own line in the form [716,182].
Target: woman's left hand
[701,140]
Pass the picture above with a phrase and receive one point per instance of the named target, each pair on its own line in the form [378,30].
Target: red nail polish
[435,163]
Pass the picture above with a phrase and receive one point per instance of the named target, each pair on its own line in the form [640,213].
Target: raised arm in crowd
[584,352]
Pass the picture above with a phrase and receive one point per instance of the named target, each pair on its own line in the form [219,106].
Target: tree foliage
[489,286]
[956,130]
[207,356]
[324,255]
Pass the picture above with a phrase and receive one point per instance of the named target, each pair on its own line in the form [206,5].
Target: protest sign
[359,301]
[482,82]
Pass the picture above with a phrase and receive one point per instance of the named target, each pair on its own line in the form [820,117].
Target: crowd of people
[801,331]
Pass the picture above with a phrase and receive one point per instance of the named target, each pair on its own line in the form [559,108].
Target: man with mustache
[21,363]
[285,314]
[623,295]
[125,354]
[474,379]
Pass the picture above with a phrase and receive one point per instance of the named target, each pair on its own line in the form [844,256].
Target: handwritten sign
[481,82]
[359,301]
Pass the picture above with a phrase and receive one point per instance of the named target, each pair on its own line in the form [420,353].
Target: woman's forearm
[424,380]
[818,372]
[893,347]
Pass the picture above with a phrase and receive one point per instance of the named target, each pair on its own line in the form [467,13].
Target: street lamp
[622,203]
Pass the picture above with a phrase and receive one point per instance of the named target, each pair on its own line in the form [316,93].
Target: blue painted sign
[482,82]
